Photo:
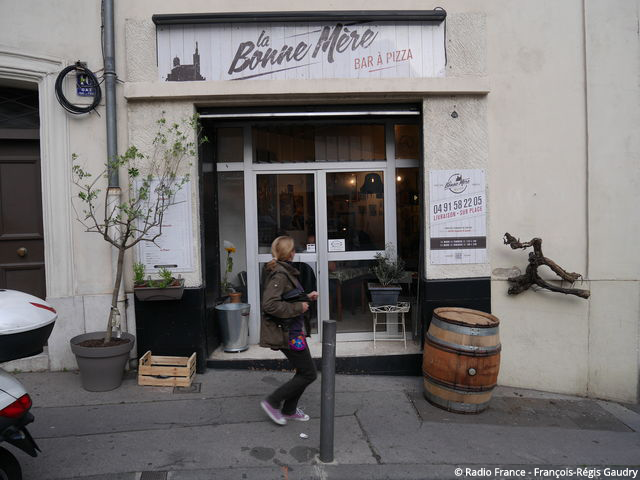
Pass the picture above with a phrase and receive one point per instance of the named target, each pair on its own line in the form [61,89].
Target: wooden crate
[163,371]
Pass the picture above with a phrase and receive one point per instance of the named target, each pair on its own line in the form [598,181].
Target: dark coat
[280,278]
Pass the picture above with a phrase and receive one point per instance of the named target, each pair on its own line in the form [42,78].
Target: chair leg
[339,301]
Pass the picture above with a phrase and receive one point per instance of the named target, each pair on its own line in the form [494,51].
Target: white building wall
[613,101]
[537,165]
[545,105]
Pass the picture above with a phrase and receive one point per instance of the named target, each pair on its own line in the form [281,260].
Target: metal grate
[193,388]
[153,476]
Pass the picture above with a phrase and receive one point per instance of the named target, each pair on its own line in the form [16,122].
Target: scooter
[14,418]
[25,325]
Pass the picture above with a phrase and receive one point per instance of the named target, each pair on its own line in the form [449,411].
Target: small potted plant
[226,286]
[167,287]
[389,270]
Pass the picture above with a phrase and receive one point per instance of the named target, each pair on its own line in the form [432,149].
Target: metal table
[401,308]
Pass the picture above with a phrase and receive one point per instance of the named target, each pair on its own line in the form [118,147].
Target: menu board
[174,248]
[457,217]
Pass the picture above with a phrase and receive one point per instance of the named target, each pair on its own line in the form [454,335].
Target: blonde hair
[282,247]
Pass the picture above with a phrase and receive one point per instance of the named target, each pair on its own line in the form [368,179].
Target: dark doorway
[21,231]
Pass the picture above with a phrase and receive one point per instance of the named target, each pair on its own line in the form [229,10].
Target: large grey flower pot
[101,368]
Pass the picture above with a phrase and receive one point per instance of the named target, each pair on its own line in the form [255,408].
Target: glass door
[337,220]
[356,227]
[286,205]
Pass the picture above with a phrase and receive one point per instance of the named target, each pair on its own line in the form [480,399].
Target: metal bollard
[328,390]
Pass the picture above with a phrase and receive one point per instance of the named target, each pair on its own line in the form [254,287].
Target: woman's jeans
[290,392]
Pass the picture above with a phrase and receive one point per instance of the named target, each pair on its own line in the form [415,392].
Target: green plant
[153,180]
[226,285]
[166,278]
[389,267]
[138,273]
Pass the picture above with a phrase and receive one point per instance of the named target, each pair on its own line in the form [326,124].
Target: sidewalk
[383,429]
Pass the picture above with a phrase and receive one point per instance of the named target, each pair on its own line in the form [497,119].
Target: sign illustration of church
[186,73]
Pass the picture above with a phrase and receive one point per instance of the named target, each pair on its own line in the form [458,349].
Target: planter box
[164,371]
[148,294]
[177,327]
[384,295]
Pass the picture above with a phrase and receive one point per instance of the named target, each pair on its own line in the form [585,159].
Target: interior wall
[231,215]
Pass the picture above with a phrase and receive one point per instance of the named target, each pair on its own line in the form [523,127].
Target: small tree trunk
[114,295]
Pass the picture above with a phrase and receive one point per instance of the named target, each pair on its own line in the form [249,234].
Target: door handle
[22,252]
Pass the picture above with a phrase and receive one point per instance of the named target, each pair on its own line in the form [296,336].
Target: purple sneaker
[299,416]
[274,413]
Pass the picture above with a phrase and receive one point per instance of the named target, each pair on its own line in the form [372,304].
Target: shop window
[286,206]
[19,108]
[408,215]
[355,209]
[229,144]
[407,139]
[318,143]
[231,222]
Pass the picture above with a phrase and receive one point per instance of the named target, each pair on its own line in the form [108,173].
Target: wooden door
[21,233]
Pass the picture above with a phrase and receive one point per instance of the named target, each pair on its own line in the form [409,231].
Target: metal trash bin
[234,326]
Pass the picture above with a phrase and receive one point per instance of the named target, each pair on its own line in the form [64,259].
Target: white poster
[174,248]
[457,217]
[304,50]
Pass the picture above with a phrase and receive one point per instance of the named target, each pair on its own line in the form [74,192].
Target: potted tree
[389,270]
[153,181]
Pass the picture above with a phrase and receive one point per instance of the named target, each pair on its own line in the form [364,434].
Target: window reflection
[355,209]
[286,206]
[318,143]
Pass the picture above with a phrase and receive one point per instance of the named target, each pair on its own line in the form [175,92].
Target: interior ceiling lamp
[372,184]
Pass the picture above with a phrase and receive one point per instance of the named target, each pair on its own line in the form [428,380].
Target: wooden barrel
[461,359]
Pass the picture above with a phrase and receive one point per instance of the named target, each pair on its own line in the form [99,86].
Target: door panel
[355,223]
[21,233]
[286,206]
[355,210]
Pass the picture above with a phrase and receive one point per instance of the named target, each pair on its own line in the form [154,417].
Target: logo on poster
[456,183]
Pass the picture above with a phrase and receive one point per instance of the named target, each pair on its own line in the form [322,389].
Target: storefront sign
[457,208]
[306,50]
[174,248]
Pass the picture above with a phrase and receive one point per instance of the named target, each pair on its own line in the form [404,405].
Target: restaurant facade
[433,130]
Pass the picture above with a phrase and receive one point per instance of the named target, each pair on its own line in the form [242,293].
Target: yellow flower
[230,250]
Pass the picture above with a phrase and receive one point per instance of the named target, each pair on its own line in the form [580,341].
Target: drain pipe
[114,192]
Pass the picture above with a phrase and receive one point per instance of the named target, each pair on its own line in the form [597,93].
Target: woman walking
[282,327]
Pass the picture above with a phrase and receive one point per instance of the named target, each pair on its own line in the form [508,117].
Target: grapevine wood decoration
[522,282]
